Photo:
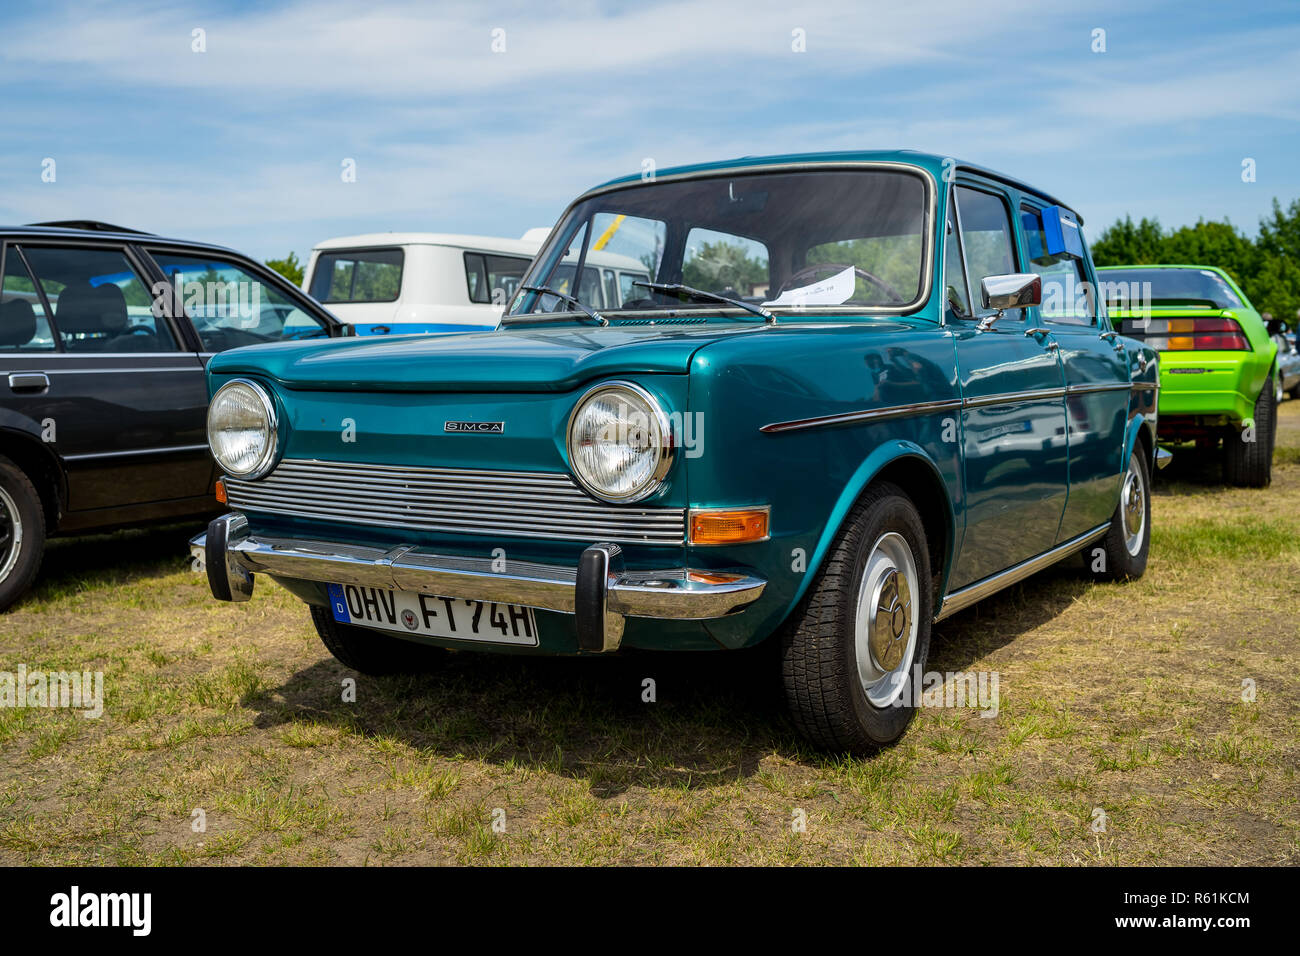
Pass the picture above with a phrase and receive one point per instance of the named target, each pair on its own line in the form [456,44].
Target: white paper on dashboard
[831,291]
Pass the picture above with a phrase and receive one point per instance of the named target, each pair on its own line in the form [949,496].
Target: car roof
[934,163]
[527,247]
[87,229]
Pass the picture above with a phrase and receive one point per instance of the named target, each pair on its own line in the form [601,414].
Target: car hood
[506,360]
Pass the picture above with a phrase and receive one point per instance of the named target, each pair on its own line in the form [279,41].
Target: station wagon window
[230,306]
[100,302]
[493,278]
[986,235]
[358,275]
[847,239]
[24,326]
[1067,295]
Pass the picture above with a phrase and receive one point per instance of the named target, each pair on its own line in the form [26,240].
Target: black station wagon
[104,336]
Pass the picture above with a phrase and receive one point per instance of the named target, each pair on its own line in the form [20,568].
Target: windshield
[793,240]
[1127,288]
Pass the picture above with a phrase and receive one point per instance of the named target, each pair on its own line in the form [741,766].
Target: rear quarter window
[358,275]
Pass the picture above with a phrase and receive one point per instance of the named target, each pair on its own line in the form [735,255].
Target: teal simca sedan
[855,394]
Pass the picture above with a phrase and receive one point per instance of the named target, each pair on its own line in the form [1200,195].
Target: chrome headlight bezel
[271,451]
[662,441]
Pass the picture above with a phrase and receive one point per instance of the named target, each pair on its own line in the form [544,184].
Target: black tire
[370,651]
[819,665]
[1113,559]
[1249,464]
[22,532]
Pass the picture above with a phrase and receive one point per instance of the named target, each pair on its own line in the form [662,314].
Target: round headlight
[242,430]
[620,442]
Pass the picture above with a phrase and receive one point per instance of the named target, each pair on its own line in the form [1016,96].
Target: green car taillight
[1174,335]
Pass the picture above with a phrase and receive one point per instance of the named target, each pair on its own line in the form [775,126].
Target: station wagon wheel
[22,532]
[851,649]
[1122,553]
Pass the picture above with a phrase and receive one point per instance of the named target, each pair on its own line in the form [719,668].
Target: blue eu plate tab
[1061,232]
[339,603]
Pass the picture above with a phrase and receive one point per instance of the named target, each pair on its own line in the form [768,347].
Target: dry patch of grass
[1123,699]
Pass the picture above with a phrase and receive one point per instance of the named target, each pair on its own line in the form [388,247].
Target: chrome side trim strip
[171,449]
[1011,398]
[963,598]
[866,415]
[926,408]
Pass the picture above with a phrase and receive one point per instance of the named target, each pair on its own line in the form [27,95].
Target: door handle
[28,381]
[1038,331]
[1108,336]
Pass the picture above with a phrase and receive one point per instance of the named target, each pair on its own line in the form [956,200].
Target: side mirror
[1017,290]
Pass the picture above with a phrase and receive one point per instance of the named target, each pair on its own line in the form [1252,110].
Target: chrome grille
[497,503]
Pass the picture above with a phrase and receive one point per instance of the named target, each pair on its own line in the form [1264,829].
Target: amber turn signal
[221,492]
[732,526]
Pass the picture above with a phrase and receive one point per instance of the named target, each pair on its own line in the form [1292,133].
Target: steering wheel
[807,272]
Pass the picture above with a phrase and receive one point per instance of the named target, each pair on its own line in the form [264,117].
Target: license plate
[433,616]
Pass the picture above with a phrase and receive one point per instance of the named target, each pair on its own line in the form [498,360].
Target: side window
[24,326]
[476,277]
[100,303]
[231,306]
[986,236]
[504,273]
[1067,296]
[954,273]
[627,290]
[360,275]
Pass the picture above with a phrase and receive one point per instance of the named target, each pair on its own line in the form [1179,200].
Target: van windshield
[816,239]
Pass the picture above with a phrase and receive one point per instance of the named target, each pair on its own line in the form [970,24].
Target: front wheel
[371,652]
[858,638]
[22,532]
[1122,553]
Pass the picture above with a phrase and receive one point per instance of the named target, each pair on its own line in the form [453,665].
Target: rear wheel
[371,652]
[22,532]
[850,655]
[1248,454]
[1124,549]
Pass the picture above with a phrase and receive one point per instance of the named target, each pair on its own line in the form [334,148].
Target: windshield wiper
[676,288]
[564,297]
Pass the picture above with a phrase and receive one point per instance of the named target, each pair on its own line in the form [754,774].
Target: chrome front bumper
[598,592]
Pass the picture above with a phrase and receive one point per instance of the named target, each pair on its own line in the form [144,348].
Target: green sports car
[1218,365]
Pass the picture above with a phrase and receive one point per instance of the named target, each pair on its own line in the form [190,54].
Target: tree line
[1267,267]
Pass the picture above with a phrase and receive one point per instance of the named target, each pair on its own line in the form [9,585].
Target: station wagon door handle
[28,381]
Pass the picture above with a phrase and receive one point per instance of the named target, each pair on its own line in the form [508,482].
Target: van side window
[358,275]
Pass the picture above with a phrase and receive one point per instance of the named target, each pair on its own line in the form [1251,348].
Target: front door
[1014,431]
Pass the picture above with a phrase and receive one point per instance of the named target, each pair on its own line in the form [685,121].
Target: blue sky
[243,144]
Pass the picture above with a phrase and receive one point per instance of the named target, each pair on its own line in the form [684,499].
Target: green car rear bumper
[1211,385]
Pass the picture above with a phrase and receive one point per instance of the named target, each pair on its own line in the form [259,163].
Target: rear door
[1097,382]
[1013,415]
[116,390]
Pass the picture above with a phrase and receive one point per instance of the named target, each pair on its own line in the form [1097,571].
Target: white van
[405,282]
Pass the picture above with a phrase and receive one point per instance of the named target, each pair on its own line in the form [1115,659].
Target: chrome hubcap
[886,624]
[1133,509]
[11,534]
